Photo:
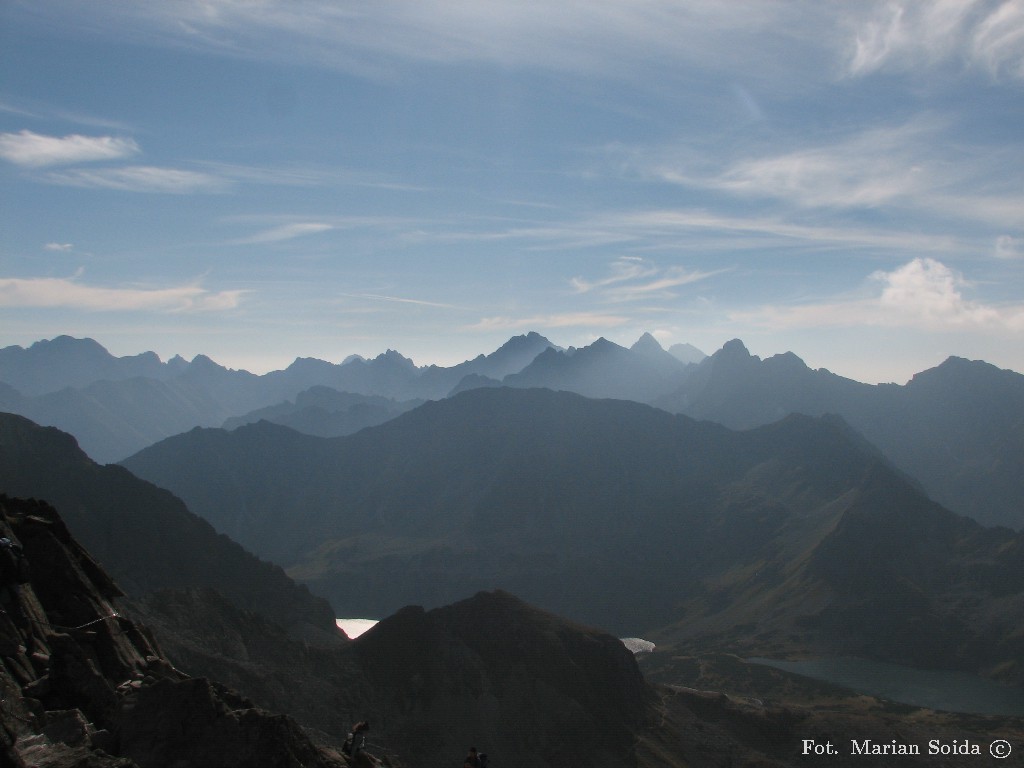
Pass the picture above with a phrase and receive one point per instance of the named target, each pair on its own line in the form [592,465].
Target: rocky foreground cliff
[81,685]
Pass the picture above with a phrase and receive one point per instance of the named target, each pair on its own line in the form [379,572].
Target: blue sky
[258,180]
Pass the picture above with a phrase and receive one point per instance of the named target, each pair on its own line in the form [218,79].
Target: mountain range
[143,535]
[116,406]
[784,538]
[957,428]
[773,524]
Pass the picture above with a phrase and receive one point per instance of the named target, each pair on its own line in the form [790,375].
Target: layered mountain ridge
[143,535]
[958,428]
[618,515]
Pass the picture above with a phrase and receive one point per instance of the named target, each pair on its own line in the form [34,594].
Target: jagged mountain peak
[525,339]
[601,346]
[786,361]
[203,361]
[733,349]
[647,342]
[686,353]
[394,357]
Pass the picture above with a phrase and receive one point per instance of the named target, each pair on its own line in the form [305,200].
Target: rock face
[144,537]
[84,687]
[81,685]
[462,674]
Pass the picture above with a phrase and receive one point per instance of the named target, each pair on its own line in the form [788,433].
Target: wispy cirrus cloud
[923,293]
[140,178]
[61,247]
[906,34]
[34,150]
[867,168]
[65,293]
[872,168]
[399,300]
[633,278]
[286,232]
[922,165]
[556,320]
[611,36]
[623,269]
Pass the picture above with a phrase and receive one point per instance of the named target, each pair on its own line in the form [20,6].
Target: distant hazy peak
[65,342]
[787,361]
[531,340]
[202,362]
[602,344]
[394,357]
[647,343]
[963,372]
[686,353]
[733,349]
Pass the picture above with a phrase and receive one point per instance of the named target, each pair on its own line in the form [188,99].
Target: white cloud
[905,34]
[58,246]
[139,178]
[562,320]
[923,294]
[623,268]
[34,150]
[49,292]
[921,166]
[998,41]
[635,278]
[760,231]
[286,232]
[874,167]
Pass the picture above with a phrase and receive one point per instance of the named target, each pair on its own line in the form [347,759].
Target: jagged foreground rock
[82,685]
[144,537]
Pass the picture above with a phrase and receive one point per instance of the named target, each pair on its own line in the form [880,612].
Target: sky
[259,180]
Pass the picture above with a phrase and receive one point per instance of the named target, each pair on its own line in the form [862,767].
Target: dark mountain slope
[142,534]
[83,686]
[460,674]
[610,512]
[957,427]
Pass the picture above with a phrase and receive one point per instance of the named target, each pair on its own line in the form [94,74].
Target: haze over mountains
[619,515]
[143,535]
[957,428]
[778,512]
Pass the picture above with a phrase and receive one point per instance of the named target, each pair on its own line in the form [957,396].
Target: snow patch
[354,627]
[638,646]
